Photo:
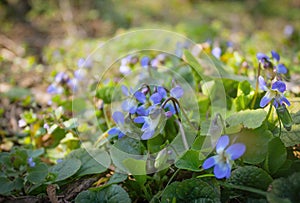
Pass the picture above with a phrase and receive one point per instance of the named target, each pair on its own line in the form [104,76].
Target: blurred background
[39,38]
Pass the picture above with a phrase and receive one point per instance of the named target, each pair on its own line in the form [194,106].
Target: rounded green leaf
[276,155]
[250,176]
[191,190]
[256,142]
[110,194]
[38,173]
[248,118]
[89,158]
[65,169]
[285,190]
[6,186]
[190,161]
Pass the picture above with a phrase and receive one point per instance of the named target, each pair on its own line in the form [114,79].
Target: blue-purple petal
[280,68]
[275,55]
[235,151]
[168,114]
[262,56]
[125,90]
[145,61]
[121,135]
[222,170]
[222,143]
[140,97]
[139,119]
[145,126]
[216,52]
[118,117]
[276,104]
[285,100]
[177,92]
[262,83]
[147,135]
[265,100]
[142,111]
[132,109]
[114,131]
[162,91]
[210,162]
[279,85]
[156,98]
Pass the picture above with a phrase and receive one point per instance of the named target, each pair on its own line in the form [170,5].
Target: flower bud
[285,117]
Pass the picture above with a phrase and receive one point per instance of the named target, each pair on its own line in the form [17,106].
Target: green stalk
[245,188]
[270,110]
[170,180]
[183,137]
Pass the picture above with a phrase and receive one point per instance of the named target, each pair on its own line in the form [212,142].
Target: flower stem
[223,122]
[183,137]
[270,110]
[245,188]
[170,180]
[175,101]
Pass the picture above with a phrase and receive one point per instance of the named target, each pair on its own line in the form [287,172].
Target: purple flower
[61,77]
[216,52]
[30,162]
[124,68]
[222,162]
[150,123]
[84,63]
[22,123]
[80,74]
[288,30]
[275,93]
[120,121]
[145,61]
[73,84]
[265,61]
[54,89]
[262,57]
[279,67]
[131,103]
[177,92]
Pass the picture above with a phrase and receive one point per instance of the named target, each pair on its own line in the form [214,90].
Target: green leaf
[285,189]
[17,93]
[57,134]
[105,93]
[59,112]
[89,159]
[110,194]
[191,190]
[123,149]
[244,88]
[35,153]
[248,118]
[65,169]
[291,138]
[6,186]
[190,161]
[38,173]
[136,168]
[117,178]
[71,123]
[276,155]
[256,142]
[250,176]
[197,69]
